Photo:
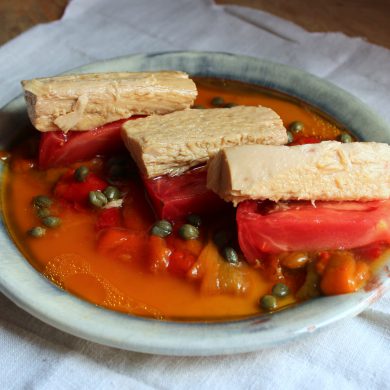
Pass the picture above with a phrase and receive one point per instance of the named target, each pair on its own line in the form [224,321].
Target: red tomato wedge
[265,227]
[58,149]
[178,196]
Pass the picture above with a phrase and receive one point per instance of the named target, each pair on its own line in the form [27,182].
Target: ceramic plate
[31,291]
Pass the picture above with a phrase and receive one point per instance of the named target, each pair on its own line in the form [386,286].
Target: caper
[81,173]
[230,105]
[345,138]
[194,220]
[189,232]
[290,137]
[97,199]
[37,232]
[198,107]
[268,302]
[51,221]
[217,101]
[43,212]
[112,193]
[162,228]
[222,237]
[296,127]
[117,171]
[280,290]
[295,260]
[42,201]
[230,255]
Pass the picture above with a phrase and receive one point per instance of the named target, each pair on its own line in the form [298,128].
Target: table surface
[364,18]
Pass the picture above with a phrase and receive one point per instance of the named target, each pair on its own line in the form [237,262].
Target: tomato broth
[110,259]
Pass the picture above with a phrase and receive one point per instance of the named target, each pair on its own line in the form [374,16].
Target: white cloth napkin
[353,354]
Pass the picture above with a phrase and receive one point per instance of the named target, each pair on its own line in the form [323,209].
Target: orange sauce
[68,257]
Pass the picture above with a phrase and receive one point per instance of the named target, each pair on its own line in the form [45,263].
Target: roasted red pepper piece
[180,262]
[109,218]
[75,192]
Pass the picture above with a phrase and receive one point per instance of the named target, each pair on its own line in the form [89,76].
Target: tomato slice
[265,227]
[58,149]
[178,196]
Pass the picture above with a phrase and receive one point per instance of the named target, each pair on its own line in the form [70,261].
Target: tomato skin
[300,226]
[77,193]
[305,140]
[58,149]
[178,196]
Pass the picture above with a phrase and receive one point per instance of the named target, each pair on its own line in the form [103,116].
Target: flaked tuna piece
[326,171]
[86,101]
[173,143]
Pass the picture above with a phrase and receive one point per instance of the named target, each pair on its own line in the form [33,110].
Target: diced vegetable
[122,244]
[343,274]
[109,218]
[158,253]
[178,196]
[216,275]
[76,192]
[302,226]
[181,262]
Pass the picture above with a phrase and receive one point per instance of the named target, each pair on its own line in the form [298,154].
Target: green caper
[217,101]
[296,127]
[42,212]
[280,290]
[112,193]
[345,138]
[162,228]
[230,105]
[268,302]
[230,255]
[194,220]
[37,232]
[97,199]
[198,107]
[290,137]
[189,232]
[222,237]
[42,201]
[117,171]
[81,173]
[51,222]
